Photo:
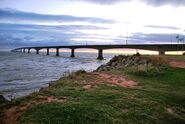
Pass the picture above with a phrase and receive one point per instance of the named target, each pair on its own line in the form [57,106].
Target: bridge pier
[37,51]
[57,51]
[161,52]
[100,54]
[24,50]
[28,50]
[72,53]
[47,51]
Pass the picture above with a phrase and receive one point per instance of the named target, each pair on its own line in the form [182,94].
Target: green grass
[109,104]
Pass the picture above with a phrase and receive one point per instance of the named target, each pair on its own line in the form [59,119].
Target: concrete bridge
[161,48]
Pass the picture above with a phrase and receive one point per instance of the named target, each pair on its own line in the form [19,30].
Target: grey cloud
[7,26]
[35,35]
[150,2]
[10,14]
[61,32]
[163,27]
[107,2]
[142,38]
[165,2]
[153,38]
[10,40]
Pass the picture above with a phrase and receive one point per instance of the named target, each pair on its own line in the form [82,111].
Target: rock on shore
[122,62]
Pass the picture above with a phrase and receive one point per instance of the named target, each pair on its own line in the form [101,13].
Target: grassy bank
[86,98]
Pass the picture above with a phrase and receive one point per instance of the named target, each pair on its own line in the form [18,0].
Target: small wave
[11,80]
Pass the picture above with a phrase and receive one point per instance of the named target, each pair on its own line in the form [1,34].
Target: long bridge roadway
[161,48]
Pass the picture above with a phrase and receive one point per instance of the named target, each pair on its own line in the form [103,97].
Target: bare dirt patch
[116,80]
[87,87]
[14,112]
[177,64]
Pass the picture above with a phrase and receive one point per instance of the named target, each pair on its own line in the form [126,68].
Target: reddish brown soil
[14,112]
[177,64]
[116,80]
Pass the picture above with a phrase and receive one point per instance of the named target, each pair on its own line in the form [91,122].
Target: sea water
[23,73]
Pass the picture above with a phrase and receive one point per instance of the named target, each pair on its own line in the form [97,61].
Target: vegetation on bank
[86,98]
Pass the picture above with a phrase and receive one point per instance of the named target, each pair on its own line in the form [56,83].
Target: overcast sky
[72,22]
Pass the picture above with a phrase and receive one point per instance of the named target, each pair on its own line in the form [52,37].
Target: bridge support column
[161,52]
[72,53]
[24,50]
[47,51]
[100,54]
[37,51]
[28,50]
[57,51]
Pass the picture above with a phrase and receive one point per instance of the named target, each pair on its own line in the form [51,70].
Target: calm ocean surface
[23,73]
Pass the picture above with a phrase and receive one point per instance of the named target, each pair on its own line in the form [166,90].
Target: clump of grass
[77,73]
[142,70]
[157,61]
[155,66]
[80,72]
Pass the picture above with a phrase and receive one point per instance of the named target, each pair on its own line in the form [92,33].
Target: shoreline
[22,73]
[175,63]
[89,86]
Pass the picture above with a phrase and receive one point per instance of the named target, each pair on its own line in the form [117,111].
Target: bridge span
[161,48]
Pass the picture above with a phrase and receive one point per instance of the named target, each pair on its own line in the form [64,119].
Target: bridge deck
[155,47]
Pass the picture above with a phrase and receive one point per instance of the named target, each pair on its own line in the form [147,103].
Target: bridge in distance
[161,48]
